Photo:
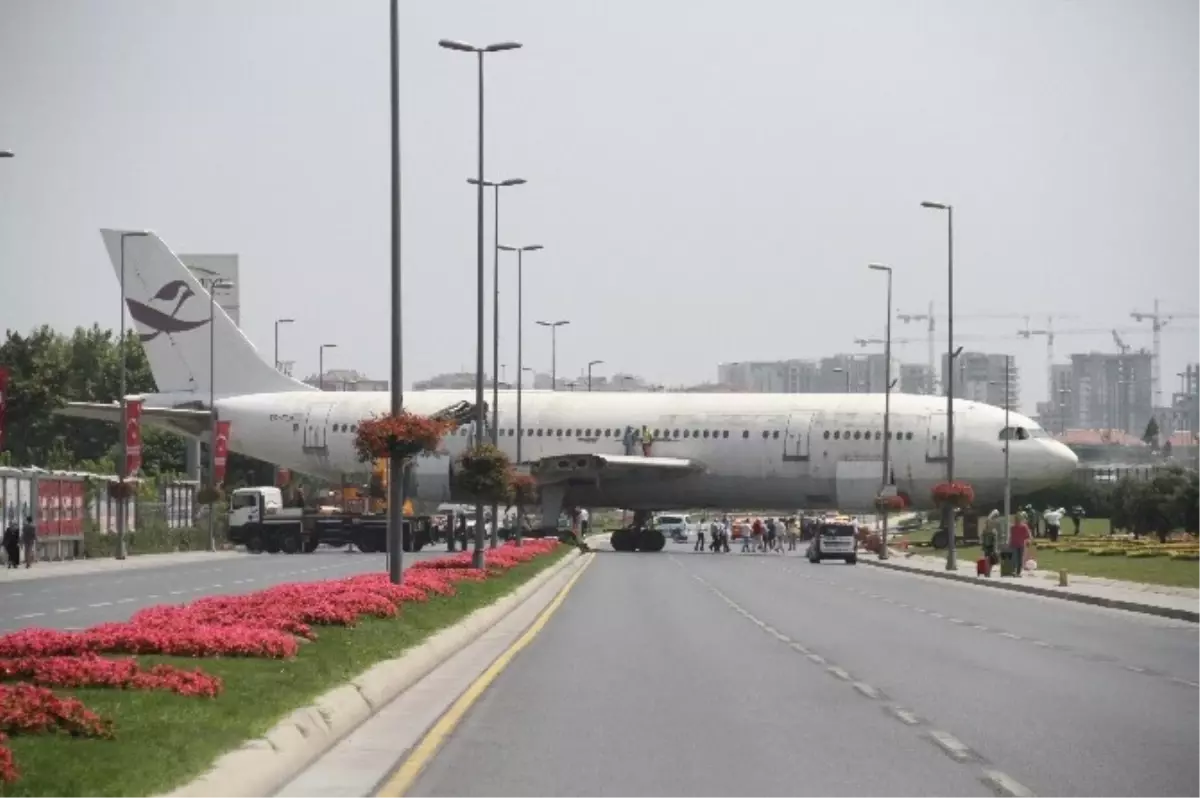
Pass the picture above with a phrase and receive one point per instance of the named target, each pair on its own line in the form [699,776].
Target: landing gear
[639,537]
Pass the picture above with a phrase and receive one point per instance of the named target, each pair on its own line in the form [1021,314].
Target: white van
[675,527]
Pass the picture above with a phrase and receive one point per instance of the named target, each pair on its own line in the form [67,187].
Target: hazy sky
[709,179]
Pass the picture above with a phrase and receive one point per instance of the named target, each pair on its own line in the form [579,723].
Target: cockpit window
[1017,433]
[1038,432]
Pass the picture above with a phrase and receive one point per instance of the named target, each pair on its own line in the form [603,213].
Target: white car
[835,539]
[675,527]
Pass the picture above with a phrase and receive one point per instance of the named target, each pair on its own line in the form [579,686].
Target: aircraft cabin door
[316,428]
[935,446]
[796,442]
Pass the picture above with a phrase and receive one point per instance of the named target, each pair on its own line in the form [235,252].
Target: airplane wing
[192,423]
[567,467]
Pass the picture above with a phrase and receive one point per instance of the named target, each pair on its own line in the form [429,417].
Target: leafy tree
[1150,436]
[48,369]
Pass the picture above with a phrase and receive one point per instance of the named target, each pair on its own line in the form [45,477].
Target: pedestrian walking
[12,544]
[29,540]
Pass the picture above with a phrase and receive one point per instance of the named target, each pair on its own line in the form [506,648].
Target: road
[74,602]
[701,674]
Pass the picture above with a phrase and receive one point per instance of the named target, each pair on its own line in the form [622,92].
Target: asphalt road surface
[702,674]
[80,601]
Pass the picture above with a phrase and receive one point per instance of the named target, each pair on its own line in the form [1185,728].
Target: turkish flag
[220,452]
[3,401]
[133,436]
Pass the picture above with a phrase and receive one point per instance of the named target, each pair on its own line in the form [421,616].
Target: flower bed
[267,624]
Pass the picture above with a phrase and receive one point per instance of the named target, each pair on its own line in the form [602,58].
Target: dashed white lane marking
[1003,784]
[152,596]
[867,690]
[1184,681]
[216,586]
[951,745]
[904,716]
[1041,643]
[979,626]
[1010,635]
[66,609]
[125,600]
[14,595]
[799,648]
[956,620]
[839,672]
[177,592]
[817,658]
[99,604]
[1134,668]
[29,615]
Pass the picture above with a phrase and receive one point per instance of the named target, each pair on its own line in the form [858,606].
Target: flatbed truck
[259,521]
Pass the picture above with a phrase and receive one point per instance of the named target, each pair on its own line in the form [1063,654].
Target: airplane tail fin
[170,311]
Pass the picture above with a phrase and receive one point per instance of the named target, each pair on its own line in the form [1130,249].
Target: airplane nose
[1064,462]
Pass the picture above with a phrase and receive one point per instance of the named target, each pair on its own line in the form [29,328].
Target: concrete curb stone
[262,766]
[1020,587]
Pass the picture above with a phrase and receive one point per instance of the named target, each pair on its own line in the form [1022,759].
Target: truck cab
[251,505]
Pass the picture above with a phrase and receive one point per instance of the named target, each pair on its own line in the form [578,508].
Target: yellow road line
[402,780]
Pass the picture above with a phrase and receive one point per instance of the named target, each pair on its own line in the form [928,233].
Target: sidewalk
[1162,600]
[47,570]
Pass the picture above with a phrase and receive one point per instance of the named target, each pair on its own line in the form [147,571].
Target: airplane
[713,451]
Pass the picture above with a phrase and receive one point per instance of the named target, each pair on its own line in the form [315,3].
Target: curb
[262,766]
[1017,587]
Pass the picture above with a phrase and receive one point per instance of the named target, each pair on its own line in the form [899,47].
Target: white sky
[709,178]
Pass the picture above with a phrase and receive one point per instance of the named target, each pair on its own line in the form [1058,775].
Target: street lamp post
[553,325]
[590,364]
[948,513]
[480,414]
[521,369]
[213,284]
[122,475]
[277,323]
[321,364]
[396,463]
[1007,442]
[887,404]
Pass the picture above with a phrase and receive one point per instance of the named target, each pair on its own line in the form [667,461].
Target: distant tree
[1150,436]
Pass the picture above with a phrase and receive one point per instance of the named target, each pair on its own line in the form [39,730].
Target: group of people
[17,538]
[757,534]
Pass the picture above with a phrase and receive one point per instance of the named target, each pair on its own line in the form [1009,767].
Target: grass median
[163,740]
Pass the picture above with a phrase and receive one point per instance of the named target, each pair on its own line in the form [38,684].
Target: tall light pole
[553,325]
[948,513]
[887,403]
[122,475]
[213,284]
[590,364]
[521,369]
[1007,440]
[481,415]
[277,323]
[516,181]
[396,463]
[321,364]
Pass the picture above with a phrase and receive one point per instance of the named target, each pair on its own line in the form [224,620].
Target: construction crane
[931,318]
[1158,320]
[1122,347]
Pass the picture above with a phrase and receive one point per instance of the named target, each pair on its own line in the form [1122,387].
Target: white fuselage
[766,451]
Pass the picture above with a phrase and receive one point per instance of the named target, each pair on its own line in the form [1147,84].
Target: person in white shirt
[1053,519]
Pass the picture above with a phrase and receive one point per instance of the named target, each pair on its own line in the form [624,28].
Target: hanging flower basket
[207,495]
[889,504]
[483,472]
[121,490]
[522,490]
[956,494]
[405,435]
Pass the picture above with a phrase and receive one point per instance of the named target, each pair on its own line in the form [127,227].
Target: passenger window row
[660,434]
[860,435]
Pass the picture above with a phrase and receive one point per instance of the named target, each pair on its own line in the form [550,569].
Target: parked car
[676,527]
[835,539]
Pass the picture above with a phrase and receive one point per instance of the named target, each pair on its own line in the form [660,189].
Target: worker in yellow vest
[647,441]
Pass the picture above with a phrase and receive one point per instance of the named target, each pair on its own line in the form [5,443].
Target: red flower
[262,624]
[407,434]
[959,494]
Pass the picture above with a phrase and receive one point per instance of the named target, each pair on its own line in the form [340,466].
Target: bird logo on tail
[176,291]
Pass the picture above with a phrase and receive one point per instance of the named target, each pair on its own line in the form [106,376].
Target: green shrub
[1107,552]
